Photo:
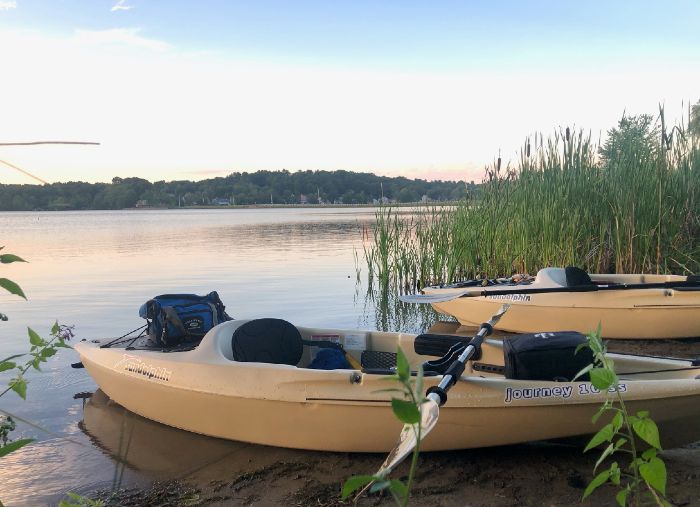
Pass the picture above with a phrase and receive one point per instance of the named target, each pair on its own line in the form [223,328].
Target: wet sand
[532,474]
[195,470]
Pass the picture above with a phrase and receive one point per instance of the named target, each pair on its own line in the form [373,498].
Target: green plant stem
[414,466]
[416,451]
[26,367]
[630,434]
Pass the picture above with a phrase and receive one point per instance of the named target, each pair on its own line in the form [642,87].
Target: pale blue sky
[177,89]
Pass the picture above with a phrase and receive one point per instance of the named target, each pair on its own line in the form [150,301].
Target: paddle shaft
[691,283]
[455,370]
[586,288]
[436,396]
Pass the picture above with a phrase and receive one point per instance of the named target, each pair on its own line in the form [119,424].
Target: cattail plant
[631,205]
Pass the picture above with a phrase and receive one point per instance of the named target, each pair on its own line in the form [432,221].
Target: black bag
[177,318]
[546,356]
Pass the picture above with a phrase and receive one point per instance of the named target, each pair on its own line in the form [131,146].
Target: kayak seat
[571,276]
[576,276]
[274,341]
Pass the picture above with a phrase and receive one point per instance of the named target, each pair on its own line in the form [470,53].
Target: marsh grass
[637,211]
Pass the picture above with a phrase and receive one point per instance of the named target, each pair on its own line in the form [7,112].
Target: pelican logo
[134,364]
[193,324]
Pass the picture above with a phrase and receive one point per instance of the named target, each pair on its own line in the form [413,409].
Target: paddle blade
[430,411]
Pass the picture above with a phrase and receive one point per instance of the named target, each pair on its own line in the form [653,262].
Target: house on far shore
[220,201]
[303,199]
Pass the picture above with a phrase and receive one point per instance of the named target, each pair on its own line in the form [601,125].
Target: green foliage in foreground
[261,187]
[407,410]
[630,206]
[40,351]
[643,480]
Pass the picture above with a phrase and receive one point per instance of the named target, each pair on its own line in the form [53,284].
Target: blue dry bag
[176,318]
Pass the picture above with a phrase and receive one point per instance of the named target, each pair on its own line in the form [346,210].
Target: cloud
[6,5]
[119,6]
[120,36]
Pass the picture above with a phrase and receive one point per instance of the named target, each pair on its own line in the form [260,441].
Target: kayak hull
[345,410]
[623,314]
[537,314]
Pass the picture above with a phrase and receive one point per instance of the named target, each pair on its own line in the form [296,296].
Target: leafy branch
[644,478]
[407,410]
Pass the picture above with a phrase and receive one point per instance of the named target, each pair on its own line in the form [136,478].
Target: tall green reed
[562,204]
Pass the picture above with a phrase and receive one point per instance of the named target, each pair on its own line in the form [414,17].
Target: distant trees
[261,187]
[694,125]
[634,138]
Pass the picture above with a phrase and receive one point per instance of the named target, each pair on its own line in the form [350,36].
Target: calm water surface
[94,269]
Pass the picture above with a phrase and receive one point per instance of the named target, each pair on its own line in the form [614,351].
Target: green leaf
[48,352]
[607,452]
[354,483]
[615,473]
[647,430]
[605,434]
[399,488]
[621,497]
[620,442]
[603,408]
[403,369]
[55,328]
[380,485]
[7,365]
[580,346]
[617,421]
[8,258]
[34,338]
[19,385]
[583,371]
[406,411]
[13,446]
[597,481]
[602,378]
[12,287]
[9,358]
[649,454]
[654,473]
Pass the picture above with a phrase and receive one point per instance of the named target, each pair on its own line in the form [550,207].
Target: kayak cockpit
[280,343]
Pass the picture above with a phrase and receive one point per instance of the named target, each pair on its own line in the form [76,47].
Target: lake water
[94,269]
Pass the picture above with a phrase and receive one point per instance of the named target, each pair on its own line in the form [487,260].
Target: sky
[436,90]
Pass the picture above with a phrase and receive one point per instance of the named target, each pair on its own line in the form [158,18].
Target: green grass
[637,211]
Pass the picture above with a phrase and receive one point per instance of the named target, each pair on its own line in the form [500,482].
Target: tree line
[239,188]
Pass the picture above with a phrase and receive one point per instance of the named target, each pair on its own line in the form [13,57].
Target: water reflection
[384,311]
[94,269]
[156,451]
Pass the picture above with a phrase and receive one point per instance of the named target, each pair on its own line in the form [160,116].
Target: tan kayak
[206,391]
[671,310]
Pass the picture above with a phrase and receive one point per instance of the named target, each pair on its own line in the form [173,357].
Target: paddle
[692,283]
[436,396]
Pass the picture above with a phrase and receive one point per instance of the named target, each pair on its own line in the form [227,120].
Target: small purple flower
[65,332]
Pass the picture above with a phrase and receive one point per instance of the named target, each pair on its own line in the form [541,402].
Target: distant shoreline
[255,206]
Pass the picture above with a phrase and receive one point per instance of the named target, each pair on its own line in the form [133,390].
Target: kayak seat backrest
[576,276]
[273,341]
[571,276]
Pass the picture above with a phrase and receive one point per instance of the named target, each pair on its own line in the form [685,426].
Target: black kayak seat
[576,277]
[267,340]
